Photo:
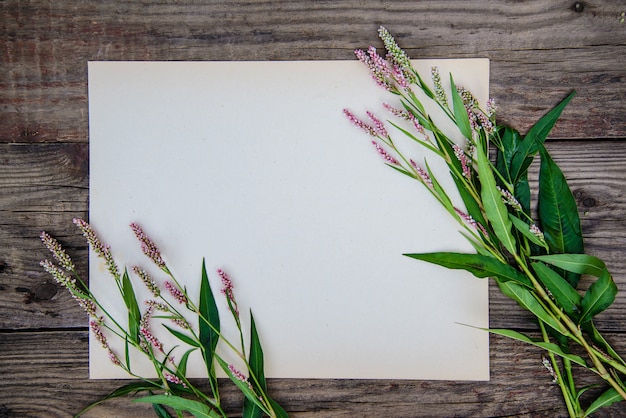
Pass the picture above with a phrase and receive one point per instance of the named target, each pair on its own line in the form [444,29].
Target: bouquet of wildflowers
[536,258]
[172,389]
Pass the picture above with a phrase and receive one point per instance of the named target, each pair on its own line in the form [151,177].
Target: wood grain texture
[539,50]
[49,380]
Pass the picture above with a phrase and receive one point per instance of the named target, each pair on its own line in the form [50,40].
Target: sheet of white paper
[253,166]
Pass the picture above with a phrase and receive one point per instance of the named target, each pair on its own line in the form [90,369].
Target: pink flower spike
[239,376]
[57,251]
[359,123]
[379,127]
[227,290]
[100,249]
[388,158]
[422,173]
[174,379]
[148,246]
[176,293]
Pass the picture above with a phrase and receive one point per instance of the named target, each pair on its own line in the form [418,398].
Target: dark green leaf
[197,409]
[460,112]
[535,137]
[472,207]
[278,410]
[477,264]
[565,295]
[576,263]
[160,411]
[495,208]
[558,212]
[182,364]
[598,297]
[528,300]
[183,337]
[524,229]
[128,389]
[208,331]
[510,140]
[600,341]
[244,386]
[607,398]
[255,361]
[134,315]
[551,347]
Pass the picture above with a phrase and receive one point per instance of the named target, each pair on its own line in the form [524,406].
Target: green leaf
[599,296]
[524,229]
[534,138]
[477,264]
[208,331]
[244,386]
[510,140]
[495,208]
[472,207]
[460,112]
[134,315]
[565,295]
[278,410]
[128,389]
[183,337]
[607,398]
[600,341]
[255,362]
[528,300]
[551,347]
[182,364]
[558,212]
[160,411]
[575,263]
[197,409]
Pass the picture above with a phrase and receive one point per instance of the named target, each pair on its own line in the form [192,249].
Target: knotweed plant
[172,388]
[536,257]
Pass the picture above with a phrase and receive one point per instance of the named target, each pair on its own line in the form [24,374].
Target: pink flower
[176,293]
[148,246]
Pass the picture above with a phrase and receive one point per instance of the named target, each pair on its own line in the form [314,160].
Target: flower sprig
[167,309]
[535,261]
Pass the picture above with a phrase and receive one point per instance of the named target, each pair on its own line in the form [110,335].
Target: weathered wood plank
[43,186]
[45,375]
[540,50]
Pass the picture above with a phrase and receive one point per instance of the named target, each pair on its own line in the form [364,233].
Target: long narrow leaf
[535,137]
[607,398]
[477,264]
[576,263]
[565,295]
[600,295]
[197,409]
[524,229]
[128,389]
[495,208]
[244,385]
[551,347]
[182,364]
[460,112]
[208,332]
[134,315]
[527,300]
[160,411]
[256,364]
[558,212]
[183,337]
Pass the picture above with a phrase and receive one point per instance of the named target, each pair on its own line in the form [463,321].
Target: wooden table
[539,51]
